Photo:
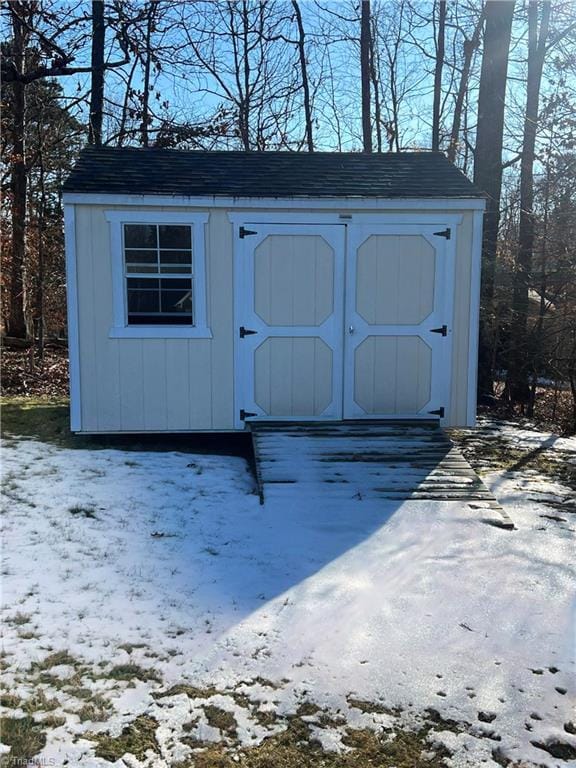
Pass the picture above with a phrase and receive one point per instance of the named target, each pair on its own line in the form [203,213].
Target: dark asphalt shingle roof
[138,171]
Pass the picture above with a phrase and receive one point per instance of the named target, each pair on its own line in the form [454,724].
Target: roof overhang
[314,203]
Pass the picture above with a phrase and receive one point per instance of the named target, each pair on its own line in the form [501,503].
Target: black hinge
[438,412]
[443,330]
[243,232]
[246,332]
[246,414]
[447,233]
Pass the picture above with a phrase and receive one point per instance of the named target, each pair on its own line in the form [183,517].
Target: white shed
[208,289]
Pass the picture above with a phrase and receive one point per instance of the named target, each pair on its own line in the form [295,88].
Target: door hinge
[246,332]
[243,232]
[447,233]
[246,414]
[442,330]
[438,412]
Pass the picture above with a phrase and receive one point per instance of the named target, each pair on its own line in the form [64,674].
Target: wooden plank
[389,462]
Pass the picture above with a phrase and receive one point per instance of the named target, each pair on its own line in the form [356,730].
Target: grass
[24,736]
[372,707]
[47,419]
[39,702]
[132,672]
[137,738]
[9,700]
[96,710]
[495,453]
[295,748]
[130,647]
[19,619]
[55,660]
[80,511]
[42,418]
[221,719]
[188,690]
[307,709]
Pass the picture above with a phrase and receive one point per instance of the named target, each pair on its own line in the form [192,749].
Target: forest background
[493,85]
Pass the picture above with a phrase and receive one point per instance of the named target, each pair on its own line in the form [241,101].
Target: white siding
[188,384]
[152,384]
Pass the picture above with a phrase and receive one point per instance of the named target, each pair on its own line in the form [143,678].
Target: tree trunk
[16,321]
[488,162]
[245,104]
[97,75]
[365,75]
[41,254]
[304,72]
[374,77]
[438,76]
[469,47]
[517,378]
[147,66]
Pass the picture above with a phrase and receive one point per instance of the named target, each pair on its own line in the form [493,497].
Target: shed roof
[151,171]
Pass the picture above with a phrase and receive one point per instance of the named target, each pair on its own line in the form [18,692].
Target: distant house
[208,289]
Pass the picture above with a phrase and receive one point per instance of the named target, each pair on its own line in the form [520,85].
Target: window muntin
[158,271]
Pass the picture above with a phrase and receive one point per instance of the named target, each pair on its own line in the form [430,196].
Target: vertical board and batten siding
[134,385]
[184,384]
[457,409]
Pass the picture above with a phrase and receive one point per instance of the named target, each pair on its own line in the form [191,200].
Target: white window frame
[120,328]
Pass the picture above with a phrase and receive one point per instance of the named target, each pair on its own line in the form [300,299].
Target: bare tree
[517,379]
[20,13]
[440,44]
[151,11]
[470,47]
[243,54]
[365,45]
[97,74]
[45,43]
[488,158]
[304,72]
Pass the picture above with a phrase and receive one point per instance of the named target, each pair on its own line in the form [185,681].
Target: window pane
[143,295]
[134,256]
[140,236]
[174,298]
[175,257]
[176,283]
[175,236]
[143,301]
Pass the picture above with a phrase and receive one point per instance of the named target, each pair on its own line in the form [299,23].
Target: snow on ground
[147,570]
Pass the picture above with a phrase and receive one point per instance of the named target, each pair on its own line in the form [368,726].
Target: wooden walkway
[393,461]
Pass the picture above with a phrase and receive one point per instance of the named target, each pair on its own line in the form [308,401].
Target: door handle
[350,329]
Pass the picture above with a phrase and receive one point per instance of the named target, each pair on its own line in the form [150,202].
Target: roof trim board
[290,203]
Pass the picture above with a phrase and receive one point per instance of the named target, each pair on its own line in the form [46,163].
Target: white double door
[342,321]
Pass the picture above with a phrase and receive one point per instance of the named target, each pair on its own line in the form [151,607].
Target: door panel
[293,377]
[395,279]
[294,280]
[392,375]
[291,289]
[397,285]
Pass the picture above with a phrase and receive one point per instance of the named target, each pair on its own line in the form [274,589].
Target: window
[158,271]
[159,274]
